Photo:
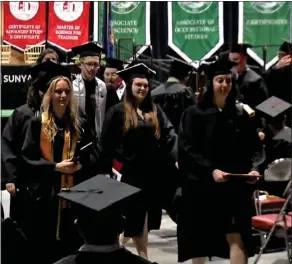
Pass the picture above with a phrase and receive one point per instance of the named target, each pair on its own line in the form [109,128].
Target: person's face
[222,85]
[61,96]
[50,56]
[89,67]
[110,76]
[239,59]
[140,88]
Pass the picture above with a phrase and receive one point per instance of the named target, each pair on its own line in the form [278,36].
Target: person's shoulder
[100,82]
[253,76]
[67,260]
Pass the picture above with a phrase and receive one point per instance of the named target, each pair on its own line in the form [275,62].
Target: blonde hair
[71,109]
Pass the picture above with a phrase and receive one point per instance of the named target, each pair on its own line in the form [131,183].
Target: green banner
[195,29]
[130,20]
[264,24]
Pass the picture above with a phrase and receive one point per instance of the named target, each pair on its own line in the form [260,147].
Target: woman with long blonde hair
[51,143]
[137,133]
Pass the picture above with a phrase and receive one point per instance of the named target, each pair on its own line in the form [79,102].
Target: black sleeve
[111,97]
[9,145]
[168,136]
[31,152]
[89,158]
[111,135]
[191,152]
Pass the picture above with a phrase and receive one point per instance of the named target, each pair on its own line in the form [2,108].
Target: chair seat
[266,222]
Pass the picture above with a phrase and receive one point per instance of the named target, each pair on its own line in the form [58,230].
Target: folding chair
[275,224]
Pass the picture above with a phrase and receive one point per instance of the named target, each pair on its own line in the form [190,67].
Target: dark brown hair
[44,53]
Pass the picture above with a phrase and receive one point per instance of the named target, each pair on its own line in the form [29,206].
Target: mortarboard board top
[100,194]
[136,70]
[284,134]
[41,69]
[240,48]
[88,49]
[114,63]
[273,107]
[178,66]
[49,71]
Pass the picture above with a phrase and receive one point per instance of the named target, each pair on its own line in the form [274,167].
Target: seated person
[99,203]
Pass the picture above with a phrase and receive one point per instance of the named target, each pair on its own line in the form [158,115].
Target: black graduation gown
[12,140]
[148,163]
[174,98]
[209,140]
[119,256]
[44,184]
[251,88]
[111,97]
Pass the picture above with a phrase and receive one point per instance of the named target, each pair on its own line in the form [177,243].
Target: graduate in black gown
[112,78]
[216,139]
[277,140]
[50,143]
[173,96]
[12,140]
[251,87]
[99,205]
[279,77]
[138,134]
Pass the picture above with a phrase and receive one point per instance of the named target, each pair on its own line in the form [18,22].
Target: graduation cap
[100,196]
[240,48]
[180,68]
[47,71]
[221,67]
[41,69]
[136,71]
[284,134]
[88,49]
[286,47]
[114,63]
[273,108]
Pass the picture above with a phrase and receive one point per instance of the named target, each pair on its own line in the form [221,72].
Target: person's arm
[168,135]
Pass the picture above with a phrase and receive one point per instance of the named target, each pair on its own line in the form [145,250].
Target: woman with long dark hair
[138,134]
[216,139]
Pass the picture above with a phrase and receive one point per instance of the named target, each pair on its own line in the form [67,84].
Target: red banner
[68,24]
[24,23]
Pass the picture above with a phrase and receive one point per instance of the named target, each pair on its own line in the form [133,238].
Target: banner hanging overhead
[264,24]
[24,23]
[68,24]
[129,20]
[195,29]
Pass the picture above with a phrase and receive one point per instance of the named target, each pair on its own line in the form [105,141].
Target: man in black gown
[91,92]
[112,78]
[99,203]
[173,96]
[250,86]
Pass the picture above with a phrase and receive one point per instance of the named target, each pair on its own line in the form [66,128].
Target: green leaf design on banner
[266,23]
[195,28]
[128,22]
